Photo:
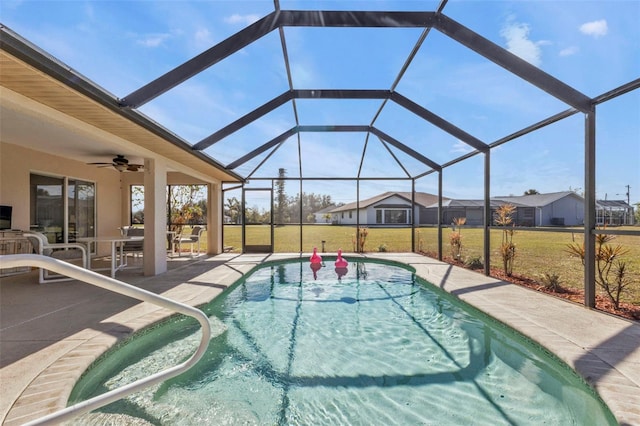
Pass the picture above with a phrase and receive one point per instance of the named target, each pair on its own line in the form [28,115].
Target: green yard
[537,252]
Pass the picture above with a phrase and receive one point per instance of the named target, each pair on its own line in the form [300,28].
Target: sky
[593,46]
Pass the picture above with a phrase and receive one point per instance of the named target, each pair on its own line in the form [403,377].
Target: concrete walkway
[50,334]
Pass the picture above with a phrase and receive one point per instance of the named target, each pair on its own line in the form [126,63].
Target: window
[137,204]
[395,216]
[62,208]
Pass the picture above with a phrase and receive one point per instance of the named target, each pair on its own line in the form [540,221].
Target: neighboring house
[390,208]
[394,208]
[471,210]
[324,215]
[564,208]
[554,209]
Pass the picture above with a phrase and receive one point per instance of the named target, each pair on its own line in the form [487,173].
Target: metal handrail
[108,283]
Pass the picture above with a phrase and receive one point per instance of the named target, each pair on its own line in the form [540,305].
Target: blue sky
[593,46]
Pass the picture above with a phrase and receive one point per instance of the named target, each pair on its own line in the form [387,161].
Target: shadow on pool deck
[49,334]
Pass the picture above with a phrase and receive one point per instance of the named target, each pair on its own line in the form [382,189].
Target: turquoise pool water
[376,346]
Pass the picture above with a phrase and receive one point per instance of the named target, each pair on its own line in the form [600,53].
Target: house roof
[30,74]
[473,203]
[538,200]
[613,204]
[422,199]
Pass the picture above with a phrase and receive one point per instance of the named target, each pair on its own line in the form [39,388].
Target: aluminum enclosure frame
[576,101]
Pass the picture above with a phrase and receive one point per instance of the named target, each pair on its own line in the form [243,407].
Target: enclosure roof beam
[402,147]
[439,122]
[339,94]
[264,147]
[241,122]
[512,63]
[262,27]
[199,63]
[341,128]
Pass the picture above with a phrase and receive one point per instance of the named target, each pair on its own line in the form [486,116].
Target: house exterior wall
[17,163]
[567,209]
[348,217]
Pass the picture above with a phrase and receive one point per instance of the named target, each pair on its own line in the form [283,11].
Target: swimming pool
[376,345]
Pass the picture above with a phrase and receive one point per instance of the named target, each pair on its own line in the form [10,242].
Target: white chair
[64,251]
[192,238]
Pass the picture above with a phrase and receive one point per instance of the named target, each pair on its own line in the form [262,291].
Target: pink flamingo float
[340,261]
[315,257]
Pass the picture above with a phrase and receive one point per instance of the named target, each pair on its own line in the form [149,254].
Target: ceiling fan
[121,164]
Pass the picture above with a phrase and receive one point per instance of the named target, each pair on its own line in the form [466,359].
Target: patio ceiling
[84,123]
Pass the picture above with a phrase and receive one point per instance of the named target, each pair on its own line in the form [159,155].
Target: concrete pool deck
[50,334]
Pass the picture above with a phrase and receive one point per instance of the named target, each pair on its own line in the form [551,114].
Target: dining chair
[69,252]
[192,239]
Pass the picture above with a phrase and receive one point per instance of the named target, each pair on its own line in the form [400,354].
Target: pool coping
[603,349]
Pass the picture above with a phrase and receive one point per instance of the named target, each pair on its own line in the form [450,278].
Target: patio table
[118,258]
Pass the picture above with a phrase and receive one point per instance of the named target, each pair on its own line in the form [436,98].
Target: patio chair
[70,252]
[133,247]
[192,238]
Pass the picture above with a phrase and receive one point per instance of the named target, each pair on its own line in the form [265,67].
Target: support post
[487,213]
[439,215]
[590,209]
[155,218]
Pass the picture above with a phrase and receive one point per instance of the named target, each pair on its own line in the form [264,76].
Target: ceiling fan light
[120,167]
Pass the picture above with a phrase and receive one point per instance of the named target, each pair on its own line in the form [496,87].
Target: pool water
[377,346]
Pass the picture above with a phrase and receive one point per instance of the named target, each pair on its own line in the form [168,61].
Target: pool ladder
[93,278]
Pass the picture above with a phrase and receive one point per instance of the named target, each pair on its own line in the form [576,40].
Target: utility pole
[628,194]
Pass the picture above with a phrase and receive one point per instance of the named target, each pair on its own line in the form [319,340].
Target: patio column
[214,218]
[155,217]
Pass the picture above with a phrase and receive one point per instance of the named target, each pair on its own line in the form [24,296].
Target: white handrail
[90,277]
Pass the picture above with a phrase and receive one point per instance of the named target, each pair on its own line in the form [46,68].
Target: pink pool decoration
[315,257]
[340,261]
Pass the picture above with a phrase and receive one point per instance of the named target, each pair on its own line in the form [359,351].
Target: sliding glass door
[62,208]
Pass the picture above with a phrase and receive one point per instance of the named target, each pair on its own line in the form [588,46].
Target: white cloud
[203,39]
[518,42]
[572,50]
[461,148]
[241,19]
[152,40]
[595,28]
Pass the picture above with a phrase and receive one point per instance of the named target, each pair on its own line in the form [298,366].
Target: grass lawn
[537,252]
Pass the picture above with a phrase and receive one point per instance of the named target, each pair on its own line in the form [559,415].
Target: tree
[637,212]
[233,209]
[281,197]
[531,192]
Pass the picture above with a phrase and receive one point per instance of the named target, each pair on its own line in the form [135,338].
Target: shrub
[611,272]
[503,217]
[474,262]
[551,281]
[360,239]
[382,248]
[455,239]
